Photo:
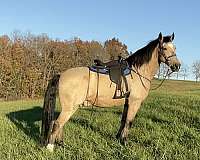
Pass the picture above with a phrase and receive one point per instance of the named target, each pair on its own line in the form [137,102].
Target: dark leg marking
[123,120]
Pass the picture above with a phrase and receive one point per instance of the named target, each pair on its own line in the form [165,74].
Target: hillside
[166,127]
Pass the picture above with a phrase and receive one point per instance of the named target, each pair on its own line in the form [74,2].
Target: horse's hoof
[118,136]
[60,143]
[123,142]
[50,147]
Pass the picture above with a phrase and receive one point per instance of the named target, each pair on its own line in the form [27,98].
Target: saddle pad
[103,70]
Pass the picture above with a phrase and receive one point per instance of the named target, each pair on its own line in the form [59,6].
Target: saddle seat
[117,71]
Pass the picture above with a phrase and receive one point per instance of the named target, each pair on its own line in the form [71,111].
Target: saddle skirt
[117,71]
[104,70]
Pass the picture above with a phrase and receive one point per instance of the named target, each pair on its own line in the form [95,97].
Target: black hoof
[60,143]
[122,140]
[118,136]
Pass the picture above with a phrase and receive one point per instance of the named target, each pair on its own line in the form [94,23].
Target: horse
[76,86]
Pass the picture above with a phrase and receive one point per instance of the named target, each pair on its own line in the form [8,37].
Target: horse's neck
[149,69]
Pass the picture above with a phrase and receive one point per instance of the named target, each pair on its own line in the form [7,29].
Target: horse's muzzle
[175,67]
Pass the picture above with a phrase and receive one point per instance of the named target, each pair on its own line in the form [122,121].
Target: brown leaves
[114,48]
[28,62]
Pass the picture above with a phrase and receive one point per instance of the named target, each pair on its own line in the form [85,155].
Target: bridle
[167,59]
[161,53]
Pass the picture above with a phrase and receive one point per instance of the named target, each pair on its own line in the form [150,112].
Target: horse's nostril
[177,66]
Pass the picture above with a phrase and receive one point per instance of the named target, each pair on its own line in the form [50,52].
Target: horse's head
[167,52]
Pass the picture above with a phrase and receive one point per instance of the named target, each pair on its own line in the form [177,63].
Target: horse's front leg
[123,120]
[129,112]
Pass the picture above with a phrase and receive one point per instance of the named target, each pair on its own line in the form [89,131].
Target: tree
[196,69]
[183,72]
[28,61]
[115,48]
[161,74]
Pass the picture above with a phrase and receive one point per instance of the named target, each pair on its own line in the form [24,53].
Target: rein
[141,76]
[167,74]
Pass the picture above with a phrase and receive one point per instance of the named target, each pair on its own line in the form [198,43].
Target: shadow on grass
[157,119]
[89,124]
[27,121]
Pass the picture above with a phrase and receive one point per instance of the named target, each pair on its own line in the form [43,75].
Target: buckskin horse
[78,85]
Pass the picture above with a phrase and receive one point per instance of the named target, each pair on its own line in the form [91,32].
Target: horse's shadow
[29,121]
[26,120]
[88,122]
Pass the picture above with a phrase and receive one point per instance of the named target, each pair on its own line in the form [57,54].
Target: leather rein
[167,73]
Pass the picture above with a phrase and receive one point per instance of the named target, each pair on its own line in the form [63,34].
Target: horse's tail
[49,109]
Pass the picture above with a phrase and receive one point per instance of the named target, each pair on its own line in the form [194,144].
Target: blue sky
[134,22]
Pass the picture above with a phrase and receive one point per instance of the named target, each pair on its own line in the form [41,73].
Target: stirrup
[118,94]
[122,94]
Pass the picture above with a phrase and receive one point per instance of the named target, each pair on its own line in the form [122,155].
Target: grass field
[166,127]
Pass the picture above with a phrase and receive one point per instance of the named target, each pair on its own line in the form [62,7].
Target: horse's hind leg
[59,137]
[66,113]
[57,128]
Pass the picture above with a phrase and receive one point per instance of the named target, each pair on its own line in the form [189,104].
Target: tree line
[185,72]
[28,61]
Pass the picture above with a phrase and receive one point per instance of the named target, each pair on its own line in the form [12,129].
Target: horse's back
[75,71]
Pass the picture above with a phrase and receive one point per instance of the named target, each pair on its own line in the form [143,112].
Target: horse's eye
[164,48]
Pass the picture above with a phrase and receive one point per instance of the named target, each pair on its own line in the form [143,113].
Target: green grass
[166,127]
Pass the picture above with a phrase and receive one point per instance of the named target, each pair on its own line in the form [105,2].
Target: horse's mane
[144,54]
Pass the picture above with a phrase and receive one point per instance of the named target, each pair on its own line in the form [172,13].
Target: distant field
[166,127]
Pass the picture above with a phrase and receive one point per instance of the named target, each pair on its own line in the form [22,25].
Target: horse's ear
[160,38]
[172,37]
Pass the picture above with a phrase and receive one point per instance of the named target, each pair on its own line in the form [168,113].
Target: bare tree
[196,69]
[184,71]
[162,72]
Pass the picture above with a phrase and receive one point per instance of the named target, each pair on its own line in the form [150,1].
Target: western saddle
[117,71]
